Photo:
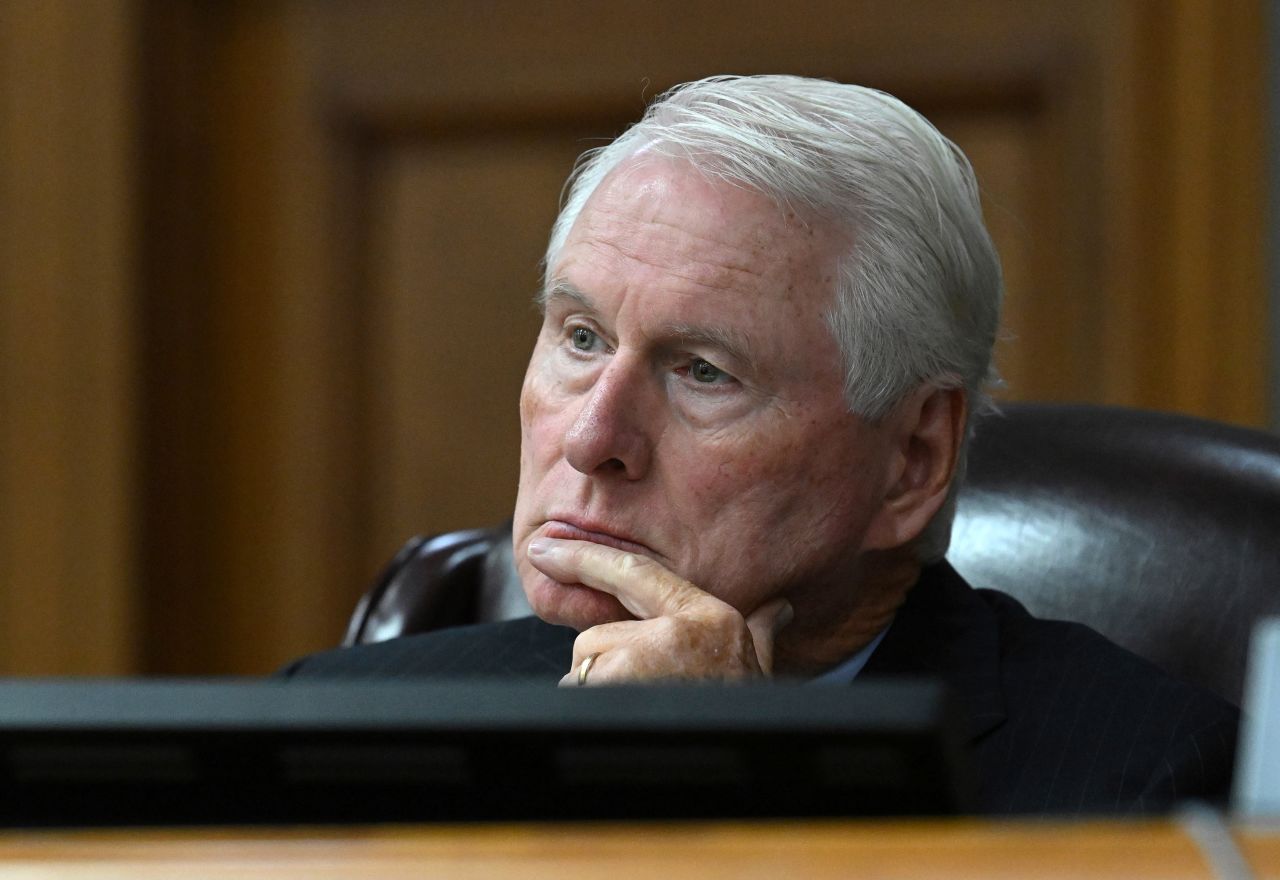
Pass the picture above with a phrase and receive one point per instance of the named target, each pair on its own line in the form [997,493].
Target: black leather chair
[1160,531]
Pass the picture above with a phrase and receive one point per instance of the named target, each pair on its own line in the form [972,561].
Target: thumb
[765,623]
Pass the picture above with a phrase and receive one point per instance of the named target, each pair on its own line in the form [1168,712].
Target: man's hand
[683,632]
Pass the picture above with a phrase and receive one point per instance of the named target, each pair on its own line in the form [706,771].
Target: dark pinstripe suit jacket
[1060,720]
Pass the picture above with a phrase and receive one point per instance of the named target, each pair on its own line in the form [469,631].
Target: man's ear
[926,430]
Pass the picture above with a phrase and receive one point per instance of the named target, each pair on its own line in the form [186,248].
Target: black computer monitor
[112,752]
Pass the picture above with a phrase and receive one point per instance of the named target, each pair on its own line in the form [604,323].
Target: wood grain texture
[579,852]
[68,401]
[1260,846]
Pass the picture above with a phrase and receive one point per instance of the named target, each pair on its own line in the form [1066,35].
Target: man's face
[684,399]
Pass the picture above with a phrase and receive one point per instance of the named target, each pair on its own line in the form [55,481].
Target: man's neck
[837,622]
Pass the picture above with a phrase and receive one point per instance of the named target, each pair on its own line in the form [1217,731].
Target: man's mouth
[558,528]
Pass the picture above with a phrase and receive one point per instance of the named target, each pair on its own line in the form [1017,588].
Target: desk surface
[615,852]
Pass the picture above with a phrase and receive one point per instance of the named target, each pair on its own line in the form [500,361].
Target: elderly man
[768,316]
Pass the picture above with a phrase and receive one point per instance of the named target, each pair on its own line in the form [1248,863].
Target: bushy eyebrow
[736,345]
[562,290]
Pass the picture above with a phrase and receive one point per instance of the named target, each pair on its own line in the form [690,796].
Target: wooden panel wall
[67,337]
[340,209]
[1182,230]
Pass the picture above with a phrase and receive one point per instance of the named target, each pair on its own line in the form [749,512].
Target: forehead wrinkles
[697,269]
[745,228]
[717,248]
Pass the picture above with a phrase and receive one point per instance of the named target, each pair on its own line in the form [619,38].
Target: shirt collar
[847,670]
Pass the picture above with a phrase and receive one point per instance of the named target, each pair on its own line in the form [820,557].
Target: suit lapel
[944,630]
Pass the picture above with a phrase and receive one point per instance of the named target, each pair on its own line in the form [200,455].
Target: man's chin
[573,604]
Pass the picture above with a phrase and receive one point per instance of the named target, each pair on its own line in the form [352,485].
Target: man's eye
[705,372]
[583,339]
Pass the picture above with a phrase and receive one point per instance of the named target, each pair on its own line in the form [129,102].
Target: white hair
[918,297]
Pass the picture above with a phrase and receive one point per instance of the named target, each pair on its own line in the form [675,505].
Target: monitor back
[117,752]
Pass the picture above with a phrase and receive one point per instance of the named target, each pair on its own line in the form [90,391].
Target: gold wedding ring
[586,668]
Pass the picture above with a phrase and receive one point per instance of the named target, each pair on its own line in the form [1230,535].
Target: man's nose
[610,434]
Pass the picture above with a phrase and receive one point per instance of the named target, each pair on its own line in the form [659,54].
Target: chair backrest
[1160,531]
[446,580]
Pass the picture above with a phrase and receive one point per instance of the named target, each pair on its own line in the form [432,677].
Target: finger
[596,675]
[765,623]
[644,587]
[601,638]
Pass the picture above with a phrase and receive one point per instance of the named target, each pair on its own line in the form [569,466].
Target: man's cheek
[544,422]
[709,482]
[532,397]
[749,470]
[734,505]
